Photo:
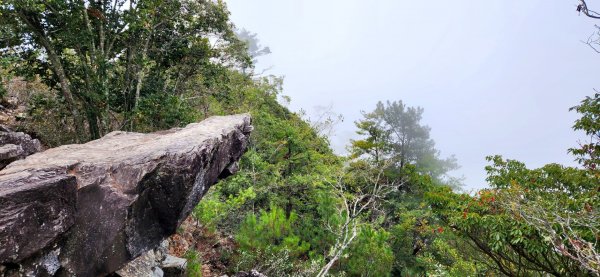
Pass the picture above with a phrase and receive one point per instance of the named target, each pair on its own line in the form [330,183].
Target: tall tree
[394,131]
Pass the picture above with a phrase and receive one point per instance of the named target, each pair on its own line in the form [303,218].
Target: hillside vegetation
[83,69]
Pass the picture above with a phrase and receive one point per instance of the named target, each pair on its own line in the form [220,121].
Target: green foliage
[588,153]
[123,64]
[211,211]
[162,111]
[447,258]
[194,264]
[48,118]
[274,229]
[375,143]
[371,255]
[267,261]
[393,132]
[286,165]
[395,140]
[519,223]
[271,242]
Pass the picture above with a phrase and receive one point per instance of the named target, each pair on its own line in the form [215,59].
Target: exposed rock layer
[87,209]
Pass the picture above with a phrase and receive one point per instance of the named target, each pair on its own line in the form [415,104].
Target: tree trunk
[57,68]
[142,71]
[92,118]
[325,270]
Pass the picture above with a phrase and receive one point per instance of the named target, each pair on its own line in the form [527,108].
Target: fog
[494,76]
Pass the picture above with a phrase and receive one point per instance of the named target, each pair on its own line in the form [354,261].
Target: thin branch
[582,7]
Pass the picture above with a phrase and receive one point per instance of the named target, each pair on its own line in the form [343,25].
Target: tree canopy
[393,131]
[118,63]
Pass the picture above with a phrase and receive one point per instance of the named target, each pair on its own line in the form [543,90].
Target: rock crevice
[87,209]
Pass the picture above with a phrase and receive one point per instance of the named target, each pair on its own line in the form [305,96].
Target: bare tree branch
[353,205]
[563,231]
[583,7]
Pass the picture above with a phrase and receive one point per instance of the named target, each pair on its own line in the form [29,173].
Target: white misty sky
[494,76]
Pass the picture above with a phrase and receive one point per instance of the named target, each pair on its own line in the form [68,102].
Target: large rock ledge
[87,209]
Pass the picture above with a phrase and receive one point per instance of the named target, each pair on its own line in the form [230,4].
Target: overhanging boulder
[87,209]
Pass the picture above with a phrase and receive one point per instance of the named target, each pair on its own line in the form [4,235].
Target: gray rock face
[15,146]
[87,209]
[153,261]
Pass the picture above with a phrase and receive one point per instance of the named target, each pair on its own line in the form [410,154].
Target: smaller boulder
[10,152]
[155,262]
[16,145]
[144,265]
[173,266]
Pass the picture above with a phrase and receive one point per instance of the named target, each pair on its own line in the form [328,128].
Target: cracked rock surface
[87,209]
